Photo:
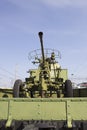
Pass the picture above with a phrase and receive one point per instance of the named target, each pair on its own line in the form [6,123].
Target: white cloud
[63,3]
[53,3]
[27,4]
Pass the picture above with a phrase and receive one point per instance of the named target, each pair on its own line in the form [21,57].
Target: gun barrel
[42,48]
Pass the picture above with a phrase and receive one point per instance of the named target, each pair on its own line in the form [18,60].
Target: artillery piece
[42,102]
[48,81]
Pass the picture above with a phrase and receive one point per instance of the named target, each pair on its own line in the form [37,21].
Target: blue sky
[64,23]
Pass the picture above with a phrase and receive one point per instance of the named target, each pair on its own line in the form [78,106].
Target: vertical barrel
[42,48]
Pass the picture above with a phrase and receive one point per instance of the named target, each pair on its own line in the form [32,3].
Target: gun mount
[49,80]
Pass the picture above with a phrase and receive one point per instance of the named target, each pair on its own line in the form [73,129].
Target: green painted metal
[6,92]
[68,109]
[43,91]
[49,80]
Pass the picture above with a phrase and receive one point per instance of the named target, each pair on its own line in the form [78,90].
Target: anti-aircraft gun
[42,105]
[48,81]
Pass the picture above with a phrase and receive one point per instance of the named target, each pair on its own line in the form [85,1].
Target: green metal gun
[40,102]
[48,80]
